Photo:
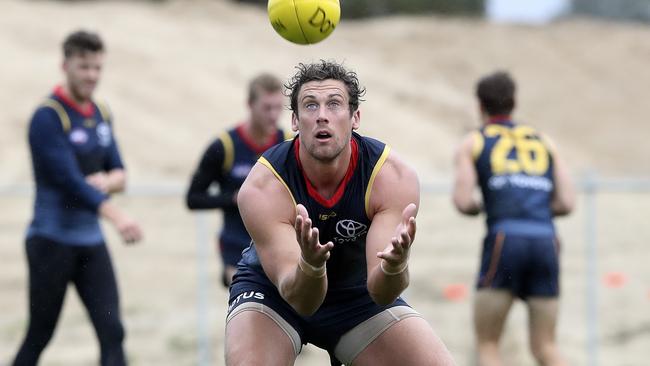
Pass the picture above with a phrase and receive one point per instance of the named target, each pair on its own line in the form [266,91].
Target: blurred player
[77,166]
[332,217]
[524,185]
[229,159]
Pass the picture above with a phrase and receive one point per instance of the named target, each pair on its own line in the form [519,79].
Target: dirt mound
[176,75]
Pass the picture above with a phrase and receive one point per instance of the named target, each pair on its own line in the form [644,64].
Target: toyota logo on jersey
[349,230]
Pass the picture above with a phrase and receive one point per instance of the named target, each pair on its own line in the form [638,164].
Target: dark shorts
[341,315]
[526,266]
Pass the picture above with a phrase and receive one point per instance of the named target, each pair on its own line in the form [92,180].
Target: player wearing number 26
[524,184]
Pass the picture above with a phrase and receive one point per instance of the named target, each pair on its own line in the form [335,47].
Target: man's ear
[294,122]
[356,119]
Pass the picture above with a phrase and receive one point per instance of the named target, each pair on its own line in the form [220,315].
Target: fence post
[590,188]
[202,316]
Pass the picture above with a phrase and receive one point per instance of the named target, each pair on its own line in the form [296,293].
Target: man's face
[323,118]
[266,110]
[83,71]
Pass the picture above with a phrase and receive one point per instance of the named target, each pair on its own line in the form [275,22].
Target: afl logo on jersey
[78,136]
[350,230]
[104,134]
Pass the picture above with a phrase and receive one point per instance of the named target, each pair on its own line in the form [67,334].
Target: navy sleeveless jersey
[515,172]
[68,143]
[341,219]
[240,154]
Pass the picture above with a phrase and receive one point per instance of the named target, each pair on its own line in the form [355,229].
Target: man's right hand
[313,253]
[129,230]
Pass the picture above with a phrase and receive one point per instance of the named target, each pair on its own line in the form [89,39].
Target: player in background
[77,166]
[332,218]
[229,159]
[524,185]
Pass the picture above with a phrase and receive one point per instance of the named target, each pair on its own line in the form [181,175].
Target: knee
[488,353]
[112,332]
[488,345]
[544,352]
[40,333]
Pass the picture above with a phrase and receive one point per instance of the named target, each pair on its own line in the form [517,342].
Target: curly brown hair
[325,70]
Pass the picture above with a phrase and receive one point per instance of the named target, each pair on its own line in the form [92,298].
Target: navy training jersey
[68,143]
[515,173]
[343,218]
[239,155]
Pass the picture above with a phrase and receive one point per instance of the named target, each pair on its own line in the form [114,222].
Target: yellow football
[304,21]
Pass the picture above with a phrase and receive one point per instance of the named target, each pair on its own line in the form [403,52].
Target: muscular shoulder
[395,186]
[395,170]
[264,193]
[471,145]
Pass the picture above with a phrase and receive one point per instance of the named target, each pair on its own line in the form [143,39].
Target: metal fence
[590,186]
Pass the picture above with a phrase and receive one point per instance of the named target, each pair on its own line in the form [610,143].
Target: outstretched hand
[313,252]
[396,254]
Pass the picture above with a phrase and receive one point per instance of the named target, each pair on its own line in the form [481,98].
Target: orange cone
[615,279]
[455,292]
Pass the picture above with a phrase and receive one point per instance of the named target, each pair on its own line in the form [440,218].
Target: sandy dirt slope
[175,77]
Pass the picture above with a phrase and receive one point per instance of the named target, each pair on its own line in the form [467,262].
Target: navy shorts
[342,310]
[527,266]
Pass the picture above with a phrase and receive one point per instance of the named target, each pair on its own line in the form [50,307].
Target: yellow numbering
[531,156]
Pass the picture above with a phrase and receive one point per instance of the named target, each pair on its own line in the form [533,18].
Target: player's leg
[407,340]
[257,335]
[97,288]
[542,291]
[499,279]
[491,307]
[543,319]
[50,268]
[261,328]
[254,338]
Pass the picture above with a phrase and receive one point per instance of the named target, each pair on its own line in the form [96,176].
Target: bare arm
[564,196]
[394,200]
[287,245]
[110,182]
[116,180]
[466,179]
[129,229]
